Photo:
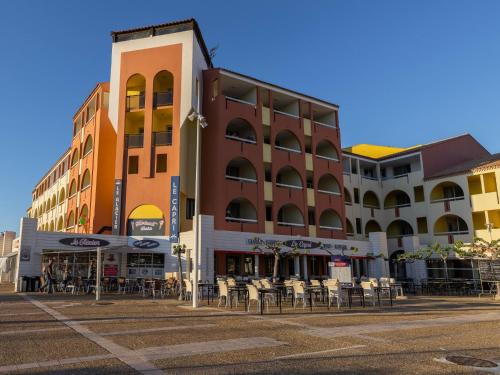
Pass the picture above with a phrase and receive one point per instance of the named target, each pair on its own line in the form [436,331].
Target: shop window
[133,164]
[248,265]
[358,225]
[356,195]
[189,208]
[422,225]
[268,265]
[419,193]
[233,265]
[161,163]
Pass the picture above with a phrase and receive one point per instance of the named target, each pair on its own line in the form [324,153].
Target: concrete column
[296,260]
[256,265]
[418,269]
[304,264]
[379,249]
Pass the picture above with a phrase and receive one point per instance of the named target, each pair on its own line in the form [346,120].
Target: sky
[402,72]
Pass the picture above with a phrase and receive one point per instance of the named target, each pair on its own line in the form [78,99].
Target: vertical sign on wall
[117,207]
[174,209]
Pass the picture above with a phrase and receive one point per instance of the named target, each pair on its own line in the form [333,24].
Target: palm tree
[179,250]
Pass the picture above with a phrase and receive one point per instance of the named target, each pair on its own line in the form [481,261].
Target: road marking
[129,357]
[147,330]
[24,313]
[66,361]
[24,331]
[298,355]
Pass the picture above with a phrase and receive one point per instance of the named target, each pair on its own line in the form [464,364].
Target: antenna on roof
[213,51]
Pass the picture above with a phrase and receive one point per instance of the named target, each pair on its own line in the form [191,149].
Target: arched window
[349,228]
[52,226]
[88,146]
[53,201]
[62,195]
[372,226]
[74,158]
[241,210]
[71,220]
[84,215]
[60,224]
[86,179]
[326,150]
[72,188]
[136,86]
[241,169]
[329,219]
[289,177]
[399,228]
[291,216]
[347,197]
[241,130]
[370,200]
[328,184]
[287,141]
[450,224]
[396,198]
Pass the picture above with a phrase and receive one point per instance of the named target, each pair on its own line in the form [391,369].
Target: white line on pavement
[158,329]
[24,331]
[298,355]
[66,361]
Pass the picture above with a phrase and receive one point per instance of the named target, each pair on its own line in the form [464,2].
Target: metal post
[98,276]
[196,249]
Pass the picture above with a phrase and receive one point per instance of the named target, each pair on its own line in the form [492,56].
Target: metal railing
[163,98]
[135,102]
[162,138]
[134,140]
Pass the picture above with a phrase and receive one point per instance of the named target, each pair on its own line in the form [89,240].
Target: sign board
[174,208]
[489,270]
[146,244]
[146,227]
[117,207]
[302,244]
[83,242]
[340,261]
[25,254]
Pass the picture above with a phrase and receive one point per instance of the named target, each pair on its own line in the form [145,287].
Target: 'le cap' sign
[83,242]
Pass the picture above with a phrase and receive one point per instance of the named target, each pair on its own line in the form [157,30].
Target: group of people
[49,278]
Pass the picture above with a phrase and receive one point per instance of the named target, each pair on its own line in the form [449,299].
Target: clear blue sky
[403,72]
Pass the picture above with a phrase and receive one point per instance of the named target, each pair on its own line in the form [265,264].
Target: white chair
[188,293]
[299,294]
[368,291]
[253,295]
[334,293]
[397,286]
[224,294]
[374,281]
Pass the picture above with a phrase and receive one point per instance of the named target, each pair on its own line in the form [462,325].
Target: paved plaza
[65,334]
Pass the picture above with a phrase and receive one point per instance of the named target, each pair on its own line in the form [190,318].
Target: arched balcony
[287,141]
[60,224]
[72,188]
[288,177]
[347,197]
[53,202]
[370,200]
[85,179]
[349,228]
[450,224]
[289,215]
[241,169]
[372,226]
[446,191]
[326,150]
[241,210]
[52,226]
[71,220]
[84,215]
[329,219]
[397,199]
[328,184]
[399,228]
[87,148]
[62,195]
[74,158]
[134,117]
[241,130]
[163,89]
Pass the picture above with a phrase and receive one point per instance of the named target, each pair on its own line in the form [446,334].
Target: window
[383,172]
[189,208]
[161,163]
[248,264]
[133,164]
[419,193]
[358,225]
[356,195]
[402,170]
[311,216]
[233,265]
[169,135]
[85,179]
[74,159]
[88,146]
[422,225]
[269,213]
[354,168]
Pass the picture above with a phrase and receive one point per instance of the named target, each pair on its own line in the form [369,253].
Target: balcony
[134,140]
[163,99]
[162,138]
[135,102]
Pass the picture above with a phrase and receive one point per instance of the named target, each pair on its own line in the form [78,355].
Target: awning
[119,248]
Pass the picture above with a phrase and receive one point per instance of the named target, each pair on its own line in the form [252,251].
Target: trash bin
[35,283]
[24,283]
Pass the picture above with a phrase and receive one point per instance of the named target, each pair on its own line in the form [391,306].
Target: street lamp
[201,122]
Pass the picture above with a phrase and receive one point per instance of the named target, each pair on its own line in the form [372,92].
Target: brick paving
[64,334]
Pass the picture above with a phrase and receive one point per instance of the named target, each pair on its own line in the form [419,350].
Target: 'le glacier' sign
[83,242]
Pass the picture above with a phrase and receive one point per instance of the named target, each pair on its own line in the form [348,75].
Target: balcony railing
[236,138]
[331,192]
[327,227]
[242,179]
[325,124]
[290,224]
[163,98]
[162,138]
[448,199]
[240,220]
[134,140]
[135,102]
[327,158]
[287,149]
[289,186]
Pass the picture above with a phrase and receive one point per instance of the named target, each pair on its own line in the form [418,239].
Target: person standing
[48,276]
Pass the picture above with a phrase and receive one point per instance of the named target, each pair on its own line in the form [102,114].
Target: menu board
[489,270]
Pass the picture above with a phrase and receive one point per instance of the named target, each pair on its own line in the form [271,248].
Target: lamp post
[201,122]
